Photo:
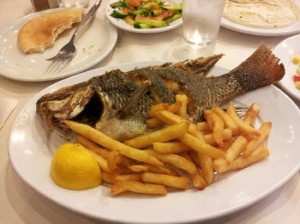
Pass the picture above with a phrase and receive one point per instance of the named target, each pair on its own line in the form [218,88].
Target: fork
[69,50]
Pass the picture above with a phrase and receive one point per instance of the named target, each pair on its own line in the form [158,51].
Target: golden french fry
[182,100]
[101,161]
[264,130]
[163,135]
[203,126]
[196,178]
[154,169]
[109,143]
[158,107]
[237,147]
[217,126]
[170,147]
[241,162]
[137,187]
[228,122]
[169,117]
[167,180]
[175,160]
[251,113]
[244,128]
[112,160]
[193,130]
[153,122]
[138,168]
[221,165]
[227,134]
[108,178]
[201,146]
[124,177]
[207,168]
[228,143]
[193,142]
[87,143]
[198,181]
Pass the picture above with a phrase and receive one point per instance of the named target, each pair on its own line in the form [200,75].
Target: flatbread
[262,13]
[40,33]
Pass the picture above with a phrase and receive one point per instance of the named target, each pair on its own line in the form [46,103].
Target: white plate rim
[88,62]
[290,30]
[285,52]
[124,26]
[75,79]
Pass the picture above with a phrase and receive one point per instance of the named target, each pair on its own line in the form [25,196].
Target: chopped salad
[144,14]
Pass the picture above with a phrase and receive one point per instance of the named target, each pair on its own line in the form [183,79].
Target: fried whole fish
[118,103]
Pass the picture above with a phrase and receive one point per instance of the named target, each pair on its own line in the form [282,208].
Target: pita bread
[40,33]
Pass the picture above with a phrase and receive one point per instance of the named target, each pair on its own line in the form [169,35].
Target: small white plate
[120,23]
[92,47]
[286,50]
[290,30]
[29,151]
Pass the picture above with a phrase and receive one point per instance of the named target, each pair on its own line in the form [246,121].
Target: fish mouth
[91,112]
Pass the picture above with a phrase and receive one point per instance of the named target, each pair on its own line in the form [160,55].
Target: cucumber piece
[154,23]
[174,17]
[119,4]
[156,12]
[141,26]
[142,12]
[177,7]
[129,20]
[118,14]
[150,5]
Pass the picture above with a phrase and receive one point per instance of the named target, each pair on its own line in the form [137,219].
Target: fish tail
[260,69]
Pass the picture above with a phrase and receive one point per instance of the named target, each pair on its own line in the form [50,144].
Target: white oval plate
[28,153]
[92,47]
[120,23]
[286,50]
[293,29]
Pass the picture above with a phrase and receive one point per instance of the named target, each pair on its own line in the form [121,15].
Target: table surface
[21,204]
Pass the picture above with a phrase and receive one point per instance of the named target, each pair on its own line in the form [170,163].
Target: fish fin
[200,65]
[133,100]
[260,69]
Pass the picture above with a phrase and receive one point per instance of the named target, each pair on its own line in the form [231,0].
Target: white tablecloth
[20,204]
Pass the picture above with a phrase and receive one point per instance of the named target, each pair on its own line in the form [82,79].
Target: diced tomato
[134,3]
[127,10]
[166,14]
[296,78]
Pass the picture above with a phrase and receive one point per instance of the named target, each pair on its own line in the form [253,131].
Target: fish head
[88,104]
[82,103]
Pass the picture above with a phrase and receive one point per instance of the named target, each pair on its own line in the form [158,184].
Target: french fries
[137,187]
[179,154]
[109,143]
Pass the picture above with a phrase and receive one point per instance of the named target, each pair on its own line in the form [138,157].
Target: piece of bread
[41,32]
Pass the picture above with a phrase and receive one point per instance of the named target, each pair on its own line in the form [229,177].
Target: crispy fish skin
[118,102]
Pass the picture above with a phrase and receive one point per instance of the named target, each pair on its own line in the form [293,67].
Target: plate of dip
[259,18]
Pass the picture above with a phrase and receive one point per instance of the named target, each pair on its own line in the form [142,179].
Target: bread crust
[41,33]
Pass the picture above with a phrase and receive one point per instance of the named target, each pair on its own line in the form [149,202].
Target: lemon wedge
[73,167]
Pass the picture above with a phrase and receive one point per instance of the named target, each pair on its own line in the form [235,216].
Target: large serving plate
[30,156]
[284,31]
[92,47]
[286,50]
[120,23]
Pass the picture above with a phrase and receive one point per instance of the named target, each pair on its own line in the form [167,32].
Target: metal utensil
[69,50]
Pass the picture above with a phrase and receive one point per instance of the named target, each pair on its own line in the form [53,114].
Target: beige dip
[262,13]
